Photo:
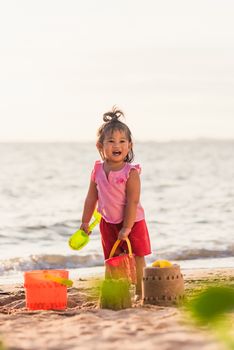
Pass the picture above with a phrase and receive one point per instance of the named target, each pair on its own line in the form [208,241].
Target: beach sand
[83,325]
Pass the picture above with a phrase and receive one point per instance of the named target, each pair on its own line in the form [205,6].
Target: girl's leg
[140,264]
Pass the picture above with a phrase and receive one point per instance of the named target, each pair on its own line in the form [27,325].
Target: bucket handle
[115,246]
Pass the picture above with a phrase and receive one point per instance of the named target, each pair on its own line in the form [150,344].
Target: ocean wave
[200,253]
[54,261]
[57,225]
[33,228]
[57,261]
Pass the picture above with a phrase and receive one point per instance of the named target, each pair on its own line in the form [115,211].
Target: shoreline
[91,271]
[83,325]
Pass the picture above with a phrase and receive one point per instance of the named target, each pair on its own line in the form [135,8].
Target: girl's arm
[89,206]
[133,188]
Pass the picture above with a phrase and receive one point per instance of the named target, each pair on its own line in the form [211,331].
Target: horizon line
[221,139]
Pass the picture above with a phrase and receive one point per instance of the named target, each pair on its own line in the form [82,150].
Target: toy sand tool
[80,238]
[63,281]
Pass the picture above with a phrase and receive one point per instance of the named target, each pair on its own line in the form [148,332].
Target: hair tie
[110,117]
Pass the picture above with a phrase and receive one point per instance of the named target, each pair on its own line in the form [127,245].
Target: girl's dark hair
[111,124]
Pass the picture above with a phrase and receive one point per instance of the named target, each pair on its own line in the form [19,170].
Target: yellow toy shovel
[80,238]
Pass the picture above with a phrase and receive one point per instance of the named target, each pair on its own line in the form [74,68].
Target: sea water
[187,192]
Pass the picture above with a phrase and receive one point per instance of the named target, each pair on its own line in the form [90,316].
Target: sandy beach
[83,325]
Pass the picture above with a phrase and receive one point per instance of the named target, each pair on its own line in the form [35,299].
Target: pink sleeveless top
[112,192]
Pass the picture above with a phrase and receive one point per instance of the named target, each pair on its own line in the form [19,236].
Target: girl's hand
[123,233]
[85,227]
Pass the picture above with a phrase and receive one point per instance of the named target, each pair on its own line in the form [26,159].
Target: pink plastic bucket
[122,266]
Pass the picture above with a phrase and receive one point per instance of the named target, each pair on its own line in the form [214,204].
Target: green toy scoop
[80,238]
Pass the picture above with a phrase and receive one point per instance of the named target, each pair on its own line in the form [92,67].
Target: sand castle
[162,286]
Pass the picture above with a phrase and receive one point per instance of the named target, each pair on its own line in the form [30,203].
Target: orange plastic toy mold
[44,294]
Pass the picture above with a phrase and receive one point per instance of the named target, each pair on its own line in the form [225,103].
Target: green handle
[97,217]
[64,281]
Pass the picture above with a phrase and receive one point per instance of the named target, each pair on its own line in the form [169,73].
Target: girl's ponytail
[113,115]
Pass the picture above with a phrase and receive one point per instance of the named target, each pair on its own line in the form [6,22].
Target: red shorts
[139,238]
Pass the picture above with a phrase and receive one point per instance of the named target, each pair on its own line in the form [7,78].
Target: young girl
[115,185]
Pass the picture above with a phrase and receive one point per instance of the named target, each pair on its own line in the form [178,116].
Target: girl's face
[115,146]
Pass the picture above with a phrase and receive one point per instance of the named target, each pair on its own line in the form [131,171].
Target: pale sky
[168,64]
